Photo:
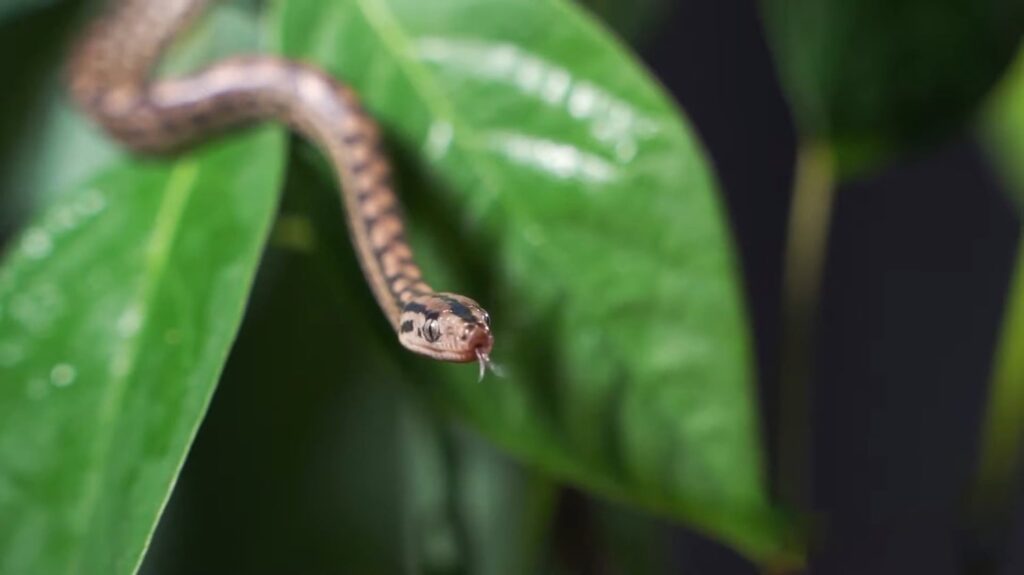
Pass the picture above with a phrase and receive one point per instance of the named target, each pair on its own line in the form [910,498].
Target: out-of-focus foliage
[1002,131]
[31,43]
[1003,126]
[634,21]
[14,8]
[878,77]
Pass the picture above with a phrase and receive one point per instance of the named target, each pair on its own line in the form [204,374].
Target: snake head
[448,327]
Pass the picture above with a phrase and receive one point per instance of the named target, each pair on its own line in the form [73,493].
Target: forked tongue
[486,363]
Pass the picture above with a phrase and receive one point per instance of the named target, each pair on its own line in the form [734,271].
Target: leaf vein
[157,252]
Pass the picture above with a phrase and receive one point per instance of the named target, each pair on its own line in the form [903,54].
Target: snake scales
[110,79]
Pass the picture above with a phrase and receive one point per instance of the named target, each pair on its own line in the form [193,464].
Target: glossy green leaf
[549,177]
[117,310]
[879,77]
[118,304]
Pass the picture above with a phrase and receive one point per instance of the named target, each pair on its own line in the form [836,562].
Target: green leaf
[877,78]
[549,177]
[118,305]
[117,310]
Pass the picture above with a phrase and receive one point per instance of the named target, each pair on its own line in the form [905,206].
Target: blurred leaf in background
[31,46]
[878,78]
[635,21]
[999,463]
[12,8]
[871,82]
[1003,125]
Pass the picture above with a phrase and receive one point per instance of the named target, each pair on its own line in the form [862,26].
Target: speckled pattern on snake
[110,79]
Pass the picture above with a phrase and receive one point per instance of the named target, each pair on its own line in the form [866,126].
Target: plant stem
[810,215]
[1003,427]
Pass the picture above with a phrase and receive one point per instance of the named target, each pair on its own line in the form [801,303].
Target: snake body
[110,79]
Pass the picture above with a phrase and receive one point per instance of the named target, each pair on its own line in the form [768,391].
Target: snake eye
[487,319]
[432,330]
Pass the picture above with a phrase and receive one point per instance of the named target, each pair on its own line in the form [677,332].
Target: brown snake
[110,79]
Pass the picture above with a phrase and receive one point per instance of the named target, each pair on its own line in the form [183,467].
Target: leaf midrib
[177,192]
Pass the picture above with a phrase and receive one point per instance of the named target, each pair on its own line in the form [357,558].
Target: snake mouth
[453,355]
[480,353]
[460,354]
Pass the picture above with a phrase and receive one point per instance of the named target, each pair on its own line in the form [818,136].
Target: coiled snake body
[110,79]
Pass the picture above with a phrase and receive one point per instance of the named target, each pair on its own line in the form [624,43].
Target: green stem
[810,215]
[999,461]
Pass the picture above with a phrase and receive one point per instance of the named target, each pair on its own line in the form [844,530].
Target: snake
[110,77]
